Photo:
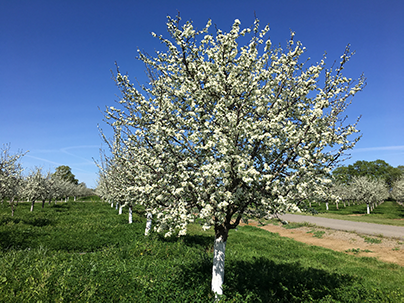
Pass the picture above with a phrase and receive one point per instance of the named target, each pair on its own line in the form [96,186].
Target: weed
[358,250]
[293,225]
[372,240]
[316,233]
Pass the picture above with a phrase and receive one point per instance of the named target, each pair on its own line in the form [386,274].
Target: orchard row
[36,186]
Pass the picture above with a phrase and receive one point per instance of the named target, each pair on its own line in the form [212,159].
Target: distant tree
[378,169]
[369,190]
[64,172]
[35,186]
[397,192]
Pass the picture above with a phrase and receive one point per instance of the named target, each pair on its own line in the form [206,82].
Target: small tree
[35,186]
[370,191]
[224,132]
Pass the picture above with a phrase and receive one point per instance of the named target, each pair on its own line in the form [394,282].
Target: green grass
[86,252]
[389,212]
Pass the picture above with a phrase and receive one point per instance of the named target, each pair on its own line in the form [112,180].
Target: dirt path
[388,250]
[344,225]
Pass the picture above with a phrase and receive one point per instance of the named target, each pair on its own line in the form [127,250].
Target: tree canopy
[226,131]
[64,172]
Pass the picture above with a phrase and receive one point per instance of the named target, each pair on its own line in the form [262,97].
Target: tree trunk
[326,205]
[12,206]
[219,250]
[112,204]
[120,209]
[116,206]
[336,203]
[367,209]
[148,224]
[32,205]
[309,204]
[43,203]
[130,214]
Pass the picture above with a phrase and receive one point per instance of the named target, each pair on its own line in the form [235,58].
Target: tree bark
[12,206]
[43,203]
[367,209]
[130,214]
[326,205]
[32,205]
[148,224]
[218,266]
[120,209]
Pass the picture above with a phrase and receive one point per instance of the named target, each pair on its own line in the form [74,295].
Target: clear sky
[56,59]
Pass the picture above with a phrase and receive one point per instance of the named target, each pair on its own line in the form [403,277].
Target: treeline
[37,185]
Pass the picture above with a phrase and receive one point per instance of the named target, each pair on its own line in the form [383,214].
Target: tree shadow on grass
[190,240]
[263,280]
[37,222]
[62,207]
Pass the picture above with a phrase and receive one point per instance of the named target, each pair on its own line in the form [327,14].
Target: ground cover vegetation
[86,252]
[228,128]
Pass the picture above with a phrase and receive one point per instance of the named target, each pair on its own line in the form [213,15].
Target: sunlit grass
[86,252]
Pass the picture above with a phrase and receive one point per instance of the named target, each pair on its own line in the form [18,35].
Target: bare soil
[389,250]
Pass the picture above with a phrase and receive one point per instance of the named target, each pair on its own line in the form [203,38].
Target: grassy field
[86,252]
[389,213]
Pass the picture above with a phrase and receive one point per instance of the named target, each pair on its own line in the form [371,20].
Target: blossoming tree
[223,131]
[10,175]
[397,192]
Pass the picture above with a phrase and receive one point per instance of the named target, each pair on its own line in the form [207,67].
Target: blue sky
[57,57]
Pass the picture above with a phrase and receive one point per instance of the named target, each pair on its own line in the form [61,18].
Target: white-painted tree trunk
[32,205]
[116,206]
[218,266]
[74,198]
[112,204]
[367,209]
[130,214]
[326,205]
[148,224]
[120,209]
[309,204]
